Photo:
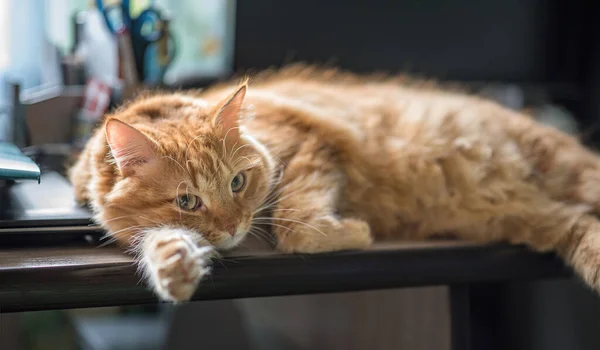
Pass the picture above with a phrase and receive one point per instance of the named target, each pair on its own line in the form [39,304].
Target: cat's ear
[129,147]
[228,115]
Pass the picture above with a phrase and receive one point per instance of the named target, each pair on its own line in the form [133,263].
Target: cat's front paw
[176,265]
[327,235]
[357,233]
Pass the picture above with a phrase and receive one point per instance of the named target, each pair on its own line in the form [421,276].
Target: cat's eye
[188,202]
[238,182]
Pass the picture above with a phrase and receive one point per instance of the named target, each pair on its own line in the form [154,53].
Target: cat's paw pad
[177,266]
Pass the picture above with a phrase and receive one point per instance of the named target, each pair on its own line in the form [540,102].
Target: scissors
[147,29]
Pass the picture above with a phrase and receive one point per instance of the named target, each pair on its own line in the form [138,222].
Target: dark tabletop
[73,277]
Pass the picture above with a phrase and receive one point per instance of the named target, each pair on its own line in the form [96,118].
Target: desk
[78,276]
[75,277]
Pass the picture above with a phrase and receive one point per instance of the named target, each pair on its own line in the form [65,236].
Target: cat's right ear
[128,146]
[227,117]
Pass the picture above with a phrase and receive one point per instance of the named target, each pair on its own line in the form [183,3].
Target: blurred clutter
[144,49]
[96,54]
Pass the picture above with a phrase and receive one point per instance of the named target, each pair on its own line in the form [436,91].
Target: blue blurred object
[14,165]
[145,30]
[155,65]
[159,56]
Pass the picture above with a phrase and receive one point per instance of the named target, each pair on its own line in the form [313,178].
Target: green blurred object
[14,165]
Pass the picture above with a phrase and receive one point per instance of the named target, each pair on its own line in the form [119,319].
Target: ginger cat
[336,159]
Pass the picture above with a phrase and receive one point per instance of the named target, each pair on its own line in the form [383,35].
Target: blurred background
[64,63]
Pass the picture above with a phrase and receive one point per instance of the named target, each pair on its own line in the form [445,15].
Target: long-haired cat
[337,159]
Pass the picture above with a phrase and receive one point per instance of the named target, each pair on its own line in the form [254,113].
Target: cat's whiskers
[190,144]
[220,261]
[135,244]
[231,155]
[154,221]
[271,194]
[274,181]
[140,271]
[187,164]
[224,140]
[110,241]
[105,236]
[285,209]
[250,163]
[265,234]
[276,191]
[111,235]
[269,200]
[256,227]
[136,239]
[273,210]
[278,200]
[113,219]
[237,149]
[294,221]
[301,189]
[228,260]
[134,250]
[277,225]
[261,235]
[127,228]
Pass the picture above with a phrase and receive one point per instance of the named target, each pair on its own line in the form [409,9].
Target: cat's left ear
[130,147]
[228,115]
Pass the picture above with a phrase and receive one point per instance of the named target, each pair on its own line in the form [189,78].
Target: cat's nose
[231,228]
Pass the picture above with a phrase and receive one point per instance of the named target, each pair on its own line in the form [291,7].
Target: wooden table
[79,276]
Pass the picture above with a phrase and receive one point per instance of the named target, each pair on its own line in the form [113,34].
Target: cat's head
[186,163]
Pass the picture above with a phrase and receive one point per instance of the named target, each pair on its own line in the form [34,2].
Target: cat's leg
[173,261]
[545,214]
[580,248]
[305,219]
[546,225]
[576,240]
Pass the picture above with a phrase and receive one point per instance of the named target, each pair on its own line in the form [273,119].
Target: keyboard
[46,212]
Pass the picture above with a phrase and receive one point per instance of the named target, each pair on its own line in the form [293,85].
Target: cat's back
[350,109]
